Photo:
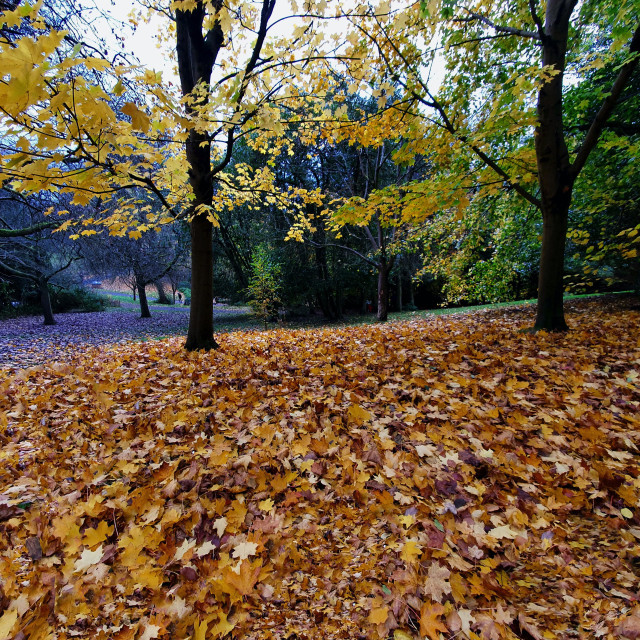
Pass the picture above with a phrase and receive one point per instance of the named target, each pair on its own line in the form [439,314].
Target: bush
[76,299]
[265,285]
[8,295]
[62,300]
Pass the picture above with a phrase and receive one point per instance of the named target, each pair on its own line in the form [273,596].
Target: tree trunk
[326,297]
[162,296]
[554,169]
[399,291]
[550,315]
[45,302]
[142,296]
[200,334]
[383,292]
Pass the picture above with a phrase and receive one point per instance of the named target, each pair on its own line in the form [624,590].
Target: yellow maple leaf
[266,505]
[200,630]
[222,627]
[358,415]
[88,559]
[7,622]
[139,119]
[379,615]
[411,551]
[95,536]
[430,624]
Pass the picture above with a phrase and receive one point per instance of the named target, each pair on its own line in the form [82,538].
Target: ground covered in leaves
[448,477]
[26,341]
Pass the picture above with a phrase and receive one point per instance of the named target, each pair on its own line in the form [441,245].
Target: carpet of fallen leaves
[26,341]
[447,477]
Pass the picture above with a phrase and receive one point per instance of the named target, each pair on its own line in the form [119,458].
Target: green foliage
[265,285]
[62,301]
[7,296]
[489,255]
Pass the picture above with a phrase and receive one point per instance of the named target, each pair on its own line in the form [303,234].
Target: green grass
[244,320]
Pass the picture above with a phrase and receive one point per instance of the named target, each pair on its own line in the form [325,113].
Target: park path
[25,342]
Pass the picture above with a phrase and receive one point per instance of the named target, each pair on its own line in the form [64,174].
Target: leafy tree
[68,133]
[501,60]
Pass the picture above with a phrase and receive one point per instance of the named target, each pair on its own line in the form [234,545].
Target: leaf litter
[448,477]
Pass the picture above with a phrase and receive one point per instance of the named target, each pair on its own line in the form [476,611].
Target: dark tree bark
[162,295]
[197,53]
[142,297]
[27,231]
[399,291]
[554,175]
[45,302]
[384,268]
[326,298]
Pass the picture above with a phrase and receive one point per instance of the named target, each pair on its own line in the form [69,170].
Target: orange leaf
[430,623]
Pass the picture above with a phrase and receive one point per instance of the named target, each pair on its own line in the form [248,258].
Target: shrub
[264,285]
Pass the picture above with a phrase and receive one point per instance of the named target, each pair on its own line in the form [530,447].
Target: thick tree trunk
[45,302]
[196,57]
[162,296]
[200,334]
[550,315]
[142,297]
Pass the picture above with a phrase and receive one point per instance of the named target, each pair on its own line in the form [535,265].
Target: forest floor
[443,477]
[26,341]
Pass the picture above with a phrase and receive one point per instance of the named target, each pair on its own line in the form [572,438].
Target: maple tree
[504,77]
[464,479]
[126,131]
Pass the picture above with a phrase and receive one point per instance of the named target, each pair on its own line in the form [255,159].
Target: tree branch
[27,231]
[607,106]
[513,31]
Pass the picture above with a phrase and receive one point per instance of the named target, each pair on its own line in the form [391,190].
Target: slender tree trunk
[45,302]
[236,259]
[383,292]
[399,291]
[326,297]
[142,296]
[554,169]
